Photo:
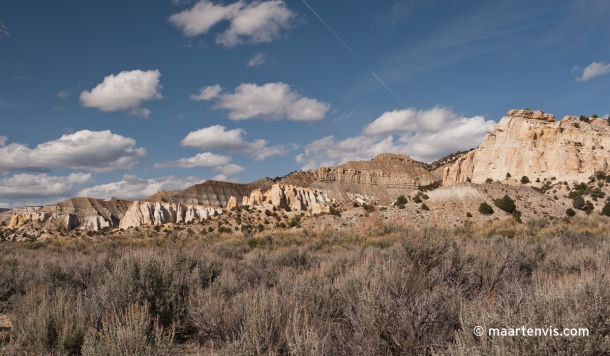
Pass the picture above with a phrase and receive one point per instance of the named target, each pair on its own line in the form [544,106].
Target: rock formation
[150,213]
[298,198]
[209,193]
[380,180]
[531,143]
[84,213]
[386,169]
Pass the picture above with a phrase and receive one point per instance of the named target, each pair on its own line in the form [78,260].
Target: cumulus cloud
[257,60]
[124,91]
[594,70]
[132,187]
[424,135]
[40,186]
[206,159]
[217,137]
[4,31]
[255,22]
[271,101]
[207,93]
[94,151]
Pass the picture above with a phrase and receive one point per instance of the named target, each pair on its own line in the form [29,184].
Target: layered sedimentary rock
[531,143]
[150,213]
[83,213]
[386,169]
[378,181]
[209,193]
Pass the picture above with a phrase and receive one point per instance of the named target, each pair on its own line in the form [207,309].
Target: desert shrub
[401,200]
[43,323]
[508,175]
[129,332]
[570,212]
[578,202]
[489,180]
[355,204]
[468,215]
[525,180]
[417,199]
[368,208]
[606,209]
[505,203]
[334,211]
[424,207]
[594,116]
[485,209]
[429,187]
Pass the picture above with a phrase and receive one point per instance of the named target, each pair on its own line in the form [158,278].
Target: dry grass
[394,291]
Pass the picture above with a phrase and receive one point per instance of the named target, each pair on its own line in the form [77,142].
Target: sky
[126,98]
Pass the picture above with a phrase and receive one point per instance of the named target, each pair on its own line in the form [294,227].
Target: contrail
[352,52]
[328,27]
[390,90]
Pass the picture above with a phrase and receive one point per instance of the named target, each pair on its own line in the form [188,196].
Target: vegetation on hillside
[397,291]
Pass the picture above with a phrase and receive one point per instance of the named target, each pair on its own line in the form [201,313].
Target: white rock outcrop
[298,198]
[149,213]
[531,143]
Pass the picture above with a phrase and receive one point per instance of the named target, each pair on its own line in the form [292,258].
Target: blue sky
[124,98]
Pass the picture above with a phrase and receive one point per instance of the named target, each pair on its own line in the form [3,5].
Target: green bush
[401,200]
[485,209]
[578,202]
[505,203]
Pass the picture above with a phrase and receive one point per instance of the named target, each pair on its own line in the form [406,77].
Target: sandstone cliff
[299,198]
[531,143]
[150,213]
[380,180]
[84,213]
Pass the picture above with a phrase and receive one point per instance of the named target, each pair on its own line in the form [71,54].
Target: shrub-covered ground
[398,291]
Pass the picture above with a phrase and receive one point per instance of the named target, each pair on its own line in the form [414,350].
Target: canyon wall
[531,143]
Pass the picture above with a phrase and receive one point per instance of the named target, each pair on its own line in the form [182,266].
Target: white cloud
[63,94]
[132,187]
[126,90]
[3,140]
[593,70]
[206,159]
[257,60]
[218,138]
[94,151]
[4,31]
[38,186]
[271,101]
[207,93]
[229,169]
[425,135]
[256,22]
